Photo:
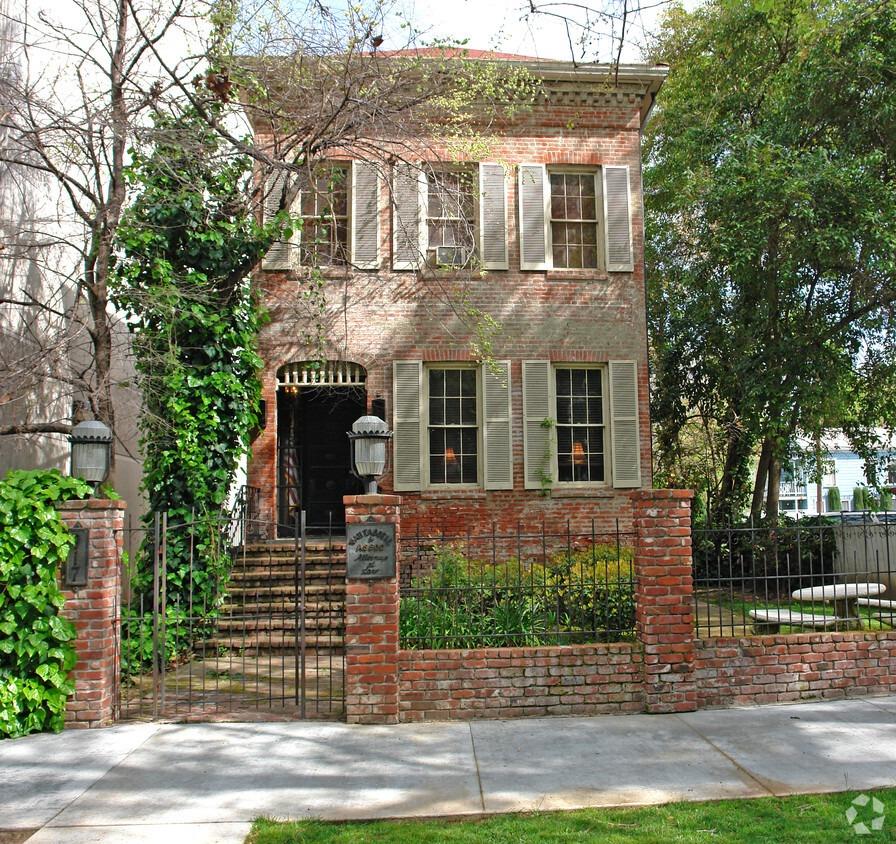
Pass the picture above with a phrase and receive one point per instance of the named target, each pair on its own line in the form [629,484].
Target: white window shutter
[407,392]
[408,216]
[624,427]
[493,217]
[277,257]
[618,219]
[365,223]
[535,198]
[496,431]
[538,455]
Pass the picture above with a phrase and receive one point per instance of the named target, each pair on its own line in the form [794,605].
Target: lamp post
[367,450]
[91,447]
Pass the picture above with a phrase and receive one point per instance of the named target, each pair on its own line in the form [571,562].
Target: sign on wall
[371,551]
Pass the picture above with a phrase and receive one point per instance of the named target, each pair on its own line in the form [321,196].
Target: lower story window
[453,429]
[580,424]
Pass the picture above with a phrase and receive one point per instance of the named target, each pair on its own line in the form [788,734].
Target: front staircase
[262,613]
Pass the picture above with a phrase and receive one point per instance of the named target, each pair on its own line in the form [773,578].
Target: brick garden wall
[781,669]
[514,682]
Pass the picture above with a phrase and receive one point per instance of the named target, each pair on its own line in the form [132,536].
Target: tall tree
[771,205]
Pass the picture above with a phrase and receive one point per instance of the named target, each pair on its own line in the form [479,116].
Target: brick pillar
[662,522]
[371,624]
[94,610]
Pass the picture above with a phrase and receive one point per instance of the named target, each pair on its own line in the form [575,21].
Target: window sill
[576,275]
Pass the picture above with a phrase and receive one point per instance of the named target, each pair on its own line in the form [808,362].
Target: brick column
[371,624]
[665,590]
[94,610]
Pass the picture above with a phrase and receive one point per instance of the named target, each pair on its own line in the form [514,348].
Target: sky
[502,25]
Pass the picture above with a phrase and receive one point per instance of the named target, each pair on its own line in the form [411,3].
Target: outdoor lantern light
[367,446]
[91,448]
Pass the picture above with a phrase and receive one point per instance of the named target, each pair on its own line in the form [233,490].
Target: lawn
[805,818]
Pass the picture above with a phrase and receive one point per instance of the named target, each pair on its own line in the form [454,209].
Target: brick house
[544,236]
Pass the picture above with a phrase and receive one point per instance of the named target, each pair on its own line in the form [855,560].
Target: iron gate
[221,624]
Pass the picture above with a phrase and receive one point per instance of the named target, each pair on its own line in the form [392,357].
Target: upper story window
[574,220]
[891,474]
[450,217]
[324,208]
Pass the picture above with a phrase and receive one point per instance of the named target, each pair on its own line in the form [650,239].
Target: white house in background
[844,469]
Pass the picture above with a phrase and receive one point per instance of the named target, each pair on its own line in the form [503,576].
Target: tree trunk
[772,502]
[759,485]
[737,453]
[819,476]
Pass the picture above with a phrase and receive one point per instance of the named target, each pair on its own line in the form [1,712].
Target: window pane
[468,412]
[579,382]
[452,382]
[468,378]
[453,471]
[595,411]
[436,410]
[469,469]
[437,469]
[559,255]
[468,440]
[594,382]
[564,467]
[589,233]
[563,382]
[580,409]
[564,440]
[564,410]
[452,411]
[589,257]
[437,382]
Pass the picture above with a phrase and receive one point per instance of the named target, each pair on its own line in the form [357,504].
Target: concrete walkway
[204,783]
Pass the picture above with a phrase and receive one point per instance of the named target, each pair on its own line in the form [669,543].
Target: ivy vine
[189,239]
[36,642]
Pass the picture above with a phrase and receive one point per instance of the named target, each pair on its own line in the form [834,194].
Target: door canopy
[332,373]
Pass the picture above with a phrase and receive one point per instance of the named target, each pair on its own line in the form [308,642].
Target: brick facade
[568,316]
[94,610]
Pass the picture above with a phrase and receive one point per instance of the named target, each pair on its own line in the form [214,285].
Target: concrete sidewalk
[204,783]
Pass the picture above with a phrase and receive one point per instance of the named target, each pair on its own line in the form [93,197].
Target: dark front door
[314,471]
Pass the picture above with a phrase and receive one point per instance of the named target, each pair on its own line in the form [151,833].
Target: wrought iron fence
[517,588]
[810,574]
[244,629]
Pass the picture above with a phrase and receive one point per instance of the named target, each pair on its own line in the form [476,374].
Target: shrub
[585,596]
[36,650]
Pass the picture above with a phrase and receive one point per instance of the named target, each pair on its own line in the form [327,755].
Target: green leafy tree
[189,240]
[771,229]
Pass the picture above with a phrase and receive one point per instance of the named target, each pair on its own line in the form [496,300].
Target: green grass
[806,818]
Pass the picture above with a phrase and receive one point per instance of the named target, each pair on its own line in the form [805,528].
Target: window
[891,474]
[580,423]
[575,218]
[324,212]
[574,222]
[450,217]
[453,426]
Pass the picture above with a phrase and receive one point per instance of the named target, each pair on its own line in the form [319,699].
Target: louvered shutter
[492,217]
[277,257]
[617,214]
[534,196]
[408,220]
[365,245]
[496,432]
[624,434]
[407,390]
[537,406]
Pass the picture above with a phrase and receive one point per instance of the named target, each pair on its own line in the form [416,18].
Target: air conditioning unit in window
[453,256]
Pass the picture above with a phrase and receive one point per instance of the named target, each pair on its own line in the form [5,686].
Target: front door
[314,472]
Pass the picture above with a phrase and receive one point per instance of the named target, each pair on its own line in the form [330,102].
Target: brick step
[273,576]
[251,624]
[288,548]
[267,591]
[277,644]
[287,559]
[280,606]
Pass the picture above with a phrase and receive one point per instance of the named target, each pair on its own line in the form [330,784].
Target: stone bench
[877,603]
[770,620]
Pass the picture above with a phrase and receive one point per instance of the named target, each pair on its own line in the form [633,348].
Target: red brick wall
[778,669]
[565,316]
[94,610]
[371,626]
[514,682]
[665,622]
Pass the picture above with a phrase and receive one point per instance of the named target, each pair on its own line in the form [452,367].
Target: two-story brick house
[544,237]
